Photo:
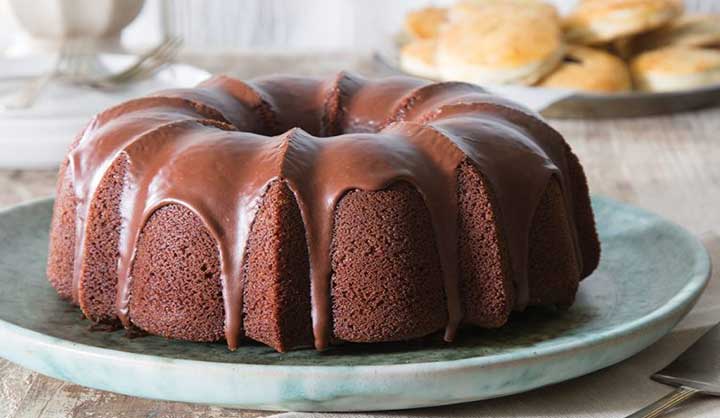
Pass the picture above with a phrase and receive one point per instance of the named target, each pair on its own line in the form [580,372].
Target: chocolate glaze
[215,149]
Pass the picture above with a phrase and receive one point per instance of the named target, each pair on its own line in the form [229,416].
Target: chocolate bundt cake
[298,212]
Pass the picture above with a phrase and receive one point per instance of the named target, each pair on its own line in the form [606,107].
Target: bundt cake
[297,212]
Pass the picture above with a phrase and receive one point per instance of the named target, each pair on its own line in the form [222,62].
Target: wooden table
[668,164]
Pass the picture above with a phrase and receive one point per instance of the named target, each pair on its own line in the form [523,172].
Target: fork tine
[168,48]
[144,66]
[142,60]
[152,67]
[149,66]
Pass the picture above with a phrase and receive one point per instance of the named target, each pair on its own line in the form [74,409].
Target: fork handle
[667,402]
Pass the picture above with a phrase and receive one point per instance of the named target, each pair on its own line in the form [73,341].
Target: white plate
[38,137]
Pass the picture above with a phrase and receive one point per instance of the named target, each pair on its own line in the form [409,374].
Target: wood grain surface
[668,164]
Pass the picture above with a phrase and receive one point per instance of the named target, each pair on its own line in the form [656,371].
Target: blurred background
[90,42]
[667,160]
[214,26]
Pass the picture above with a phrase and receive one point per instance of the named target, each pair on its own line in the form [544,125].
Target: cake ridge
[86,183]
[241,93]
[86,172]
[484,138]
[443,205]
[335,102]
[314,233]
[151,191]
[368,105]
[533,125]
[410,100]
[457,92]
[156,140]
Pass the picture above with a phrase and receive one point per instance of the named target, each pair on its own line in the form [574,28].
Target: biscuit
[425,23]
[591,70]
[676,68]
[464,9]
[689,30]
[599,21]
[510,47]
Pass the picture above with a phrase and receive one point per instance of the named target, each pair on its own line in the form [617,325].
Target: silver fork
[146,65]
[76,65]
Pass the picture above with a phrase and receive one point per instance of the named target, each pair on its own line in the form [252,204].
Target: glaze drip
[323,139]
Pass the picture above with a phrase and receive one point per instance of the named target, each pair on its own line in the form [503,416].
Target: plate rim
[683,299]
[390,61]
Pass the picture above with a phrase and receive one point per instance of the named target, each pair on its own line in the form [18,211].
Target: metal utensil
[696,371]
[146,65]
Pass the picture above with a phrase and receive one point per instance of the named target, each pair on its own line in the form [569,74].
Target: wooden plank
[667,164]
[24,394]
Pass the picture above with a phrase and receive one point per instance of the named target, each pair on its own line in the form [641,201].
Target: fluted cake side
[306,212]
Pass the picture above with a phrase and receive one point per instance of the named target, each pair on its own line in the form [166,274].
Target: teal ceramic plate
[651,274]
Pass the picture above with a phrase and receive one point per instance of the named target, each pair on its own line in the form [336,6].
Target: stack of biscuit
[602,46]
